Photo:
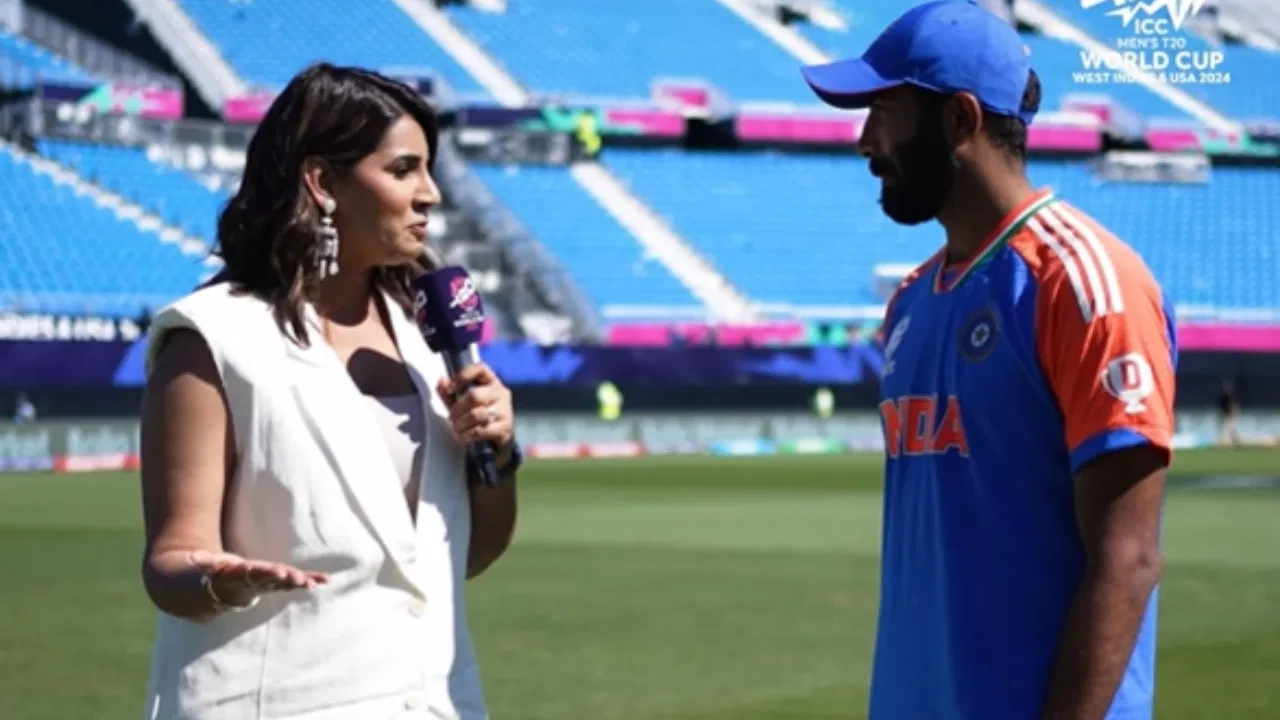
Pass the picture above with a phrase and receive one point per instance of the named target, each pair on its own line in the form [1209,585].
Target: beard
[917,178]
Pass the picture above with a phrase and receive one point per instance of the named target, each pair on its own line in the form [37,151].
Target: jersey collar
[947,278]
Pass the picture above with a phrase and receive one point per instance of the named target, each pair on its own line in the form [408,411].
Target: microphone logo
[420,312]
[464,294]
[465,301]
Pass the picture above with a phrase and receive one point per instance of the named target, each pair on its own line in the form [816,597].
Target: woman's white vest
[315,487]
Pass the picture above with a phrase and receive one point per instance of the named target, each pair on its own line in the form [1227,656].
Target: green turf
[655,589]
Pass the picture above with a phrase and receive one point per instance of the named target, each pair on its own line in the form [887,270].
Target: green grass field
[654,589]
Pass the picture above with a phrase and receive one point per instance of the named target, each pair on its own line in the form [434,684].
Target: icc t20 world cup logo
[465,305]
[464,294]
[1177,11]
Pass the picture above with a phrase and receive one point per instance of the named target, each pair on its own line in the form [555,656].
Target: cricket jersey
[1002,377]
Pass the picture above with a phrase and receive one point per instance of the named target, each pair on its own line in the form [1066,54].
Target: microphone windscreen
[447,306]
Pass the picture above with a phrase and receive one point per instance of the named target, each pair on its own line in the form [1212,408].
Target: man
[1027,401]
[1228,415]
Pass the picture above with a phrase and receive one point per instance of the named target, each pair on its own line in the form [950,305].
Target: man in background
[1027,400]
[1228,415]
[24,410]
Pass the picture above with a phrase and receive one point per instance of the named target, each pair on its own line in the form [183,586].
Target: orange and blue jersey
[1052,346]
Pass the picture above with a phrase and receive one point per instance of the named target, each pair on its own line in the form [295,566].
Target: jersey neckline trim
[998,238]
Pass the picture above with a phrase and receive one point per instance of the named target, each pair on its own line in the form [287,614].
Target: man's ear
[317,179]
[961,119]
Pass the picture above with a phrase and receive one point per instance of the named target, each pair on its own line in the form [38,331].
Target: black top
[1227,402]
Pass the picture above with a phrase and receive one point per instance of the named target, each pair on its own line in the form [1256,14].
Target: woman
[309,517]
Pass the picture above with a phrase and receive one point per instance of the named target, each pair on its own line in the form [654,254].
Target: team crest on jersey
[980,335]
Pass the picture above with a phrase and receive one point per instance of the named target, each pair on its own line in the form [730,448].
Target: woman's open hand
[237,580]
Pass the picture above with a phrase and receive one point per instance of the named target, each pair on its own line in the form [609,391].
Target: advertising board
[69,446]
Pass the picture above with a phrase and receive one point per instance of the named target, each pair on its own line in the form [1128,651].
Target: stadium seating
[604,258]
[795,229]
[618,48]
[785,228]
[63,253]
[268,42]
[807,229]
[173,195]
[22,62]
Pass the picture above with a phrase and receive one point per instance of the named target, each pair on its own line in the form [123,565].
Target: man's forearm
[1096,643]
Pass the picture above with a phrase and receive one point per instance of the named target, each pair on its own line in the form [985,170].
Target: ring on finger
[490,415]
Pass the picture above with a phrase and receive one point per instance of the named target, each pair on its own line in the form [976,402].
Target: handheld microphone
[448,309]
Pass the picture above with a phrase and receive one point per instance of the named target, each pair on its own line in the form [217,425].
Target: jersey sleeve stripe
[1072,218]
[1089,260]
[1068,264]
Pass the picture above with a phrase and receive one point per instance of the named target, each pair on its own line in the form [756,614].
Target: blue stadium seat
[807,229]
[63,253]
[601,47]
[1216,244]
[608,264]
[22,62]
[269,42]
[804,229]
[173,195]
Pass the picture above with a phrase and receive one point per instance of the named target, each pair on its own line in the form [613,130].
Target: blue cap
[947,46]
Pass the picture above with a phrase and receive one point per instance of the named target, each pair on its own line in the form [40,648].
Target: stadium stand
[63,253]
[266,43]
[820,213]
[754,210]
[588,47]
[743,210]
[23,62]
[1260,17]
[173,195]
[608,263]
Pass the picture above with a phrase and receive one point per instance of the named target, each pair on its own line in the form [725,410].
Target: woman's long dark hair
[268,233]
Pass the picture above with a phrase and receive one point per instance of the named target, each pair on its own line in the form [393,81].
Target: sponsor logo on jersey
[891,347]
[923,425]
[1130,380]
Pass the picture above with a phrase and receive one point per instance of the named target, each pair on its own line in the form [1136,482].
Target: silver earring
[328,239]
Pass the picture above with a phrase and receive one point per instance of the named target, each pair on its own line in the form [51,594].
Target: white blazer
[315,487]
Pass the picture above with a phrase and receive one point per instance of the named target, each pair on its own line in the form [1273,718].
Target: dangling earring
[328,239]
